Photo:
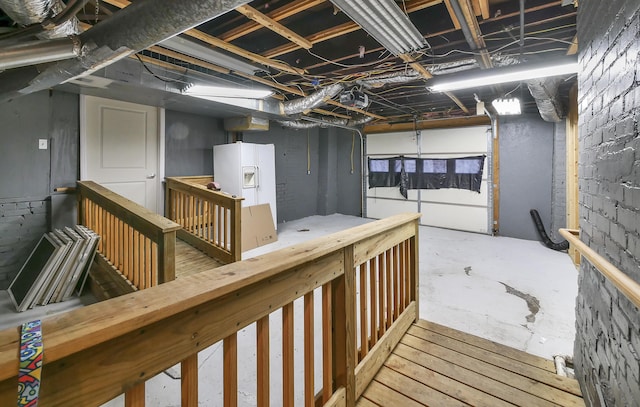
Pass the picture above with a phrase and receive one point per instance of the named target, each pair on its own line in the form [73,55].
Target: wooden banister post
[236,231]
[167,257]
[344,325]
[414,269]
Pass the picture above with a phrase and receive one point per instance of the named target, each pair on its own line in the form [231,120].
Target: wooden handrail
[135,242]
[210,220]
[146,221]
[624,283]
[118,344]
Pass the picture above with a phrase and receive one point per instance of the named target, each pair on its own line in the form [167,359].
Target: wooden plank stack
[56,269]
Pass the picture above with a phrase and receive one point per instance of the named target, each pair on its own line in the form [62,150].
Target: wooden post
[495,152]
[262,328]
[414,269]
[230,375]
[189,384]
[167,257]
[573,219]
[134,397]
[236,231]
[344,320]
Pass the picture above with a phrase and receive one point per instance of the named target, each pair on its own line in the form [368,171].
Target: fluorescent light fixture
[385,22]
[210,92]
[196,50]
[506,107]
[512,73]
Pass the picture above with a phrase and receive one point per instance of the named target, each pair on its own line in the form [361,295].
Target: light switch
[42,144]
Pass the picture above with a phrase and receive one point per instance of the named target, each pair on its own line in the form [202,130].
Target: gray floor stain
[532,302]
[467,270]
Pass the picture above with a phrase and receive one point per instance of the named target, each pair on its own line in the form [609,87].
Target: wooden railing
[136,242]
[210,220]
[95,353]
[623,282]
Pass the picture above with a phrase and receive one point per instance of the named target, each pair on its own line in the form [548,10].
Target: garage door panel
[473,219]
[390,144]
[382,208]
[456,196]
[460,140]
[392,193]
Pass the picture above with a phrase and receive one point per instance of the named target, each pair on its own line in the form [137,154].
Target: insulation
[315,99]
[28,12]
[545,93]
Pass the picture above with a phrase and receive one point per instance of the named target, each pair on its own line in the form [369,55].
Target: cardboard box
[257,227]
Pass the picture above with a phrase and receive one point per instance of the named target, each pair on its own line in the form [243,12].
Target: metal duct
[131,29]
[315,99]
[28,12]
[545,93]
[396,77]
[39,52]
[326,121]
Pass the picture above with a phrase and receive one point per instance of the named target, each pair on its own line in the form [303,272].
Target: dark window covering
[426,173]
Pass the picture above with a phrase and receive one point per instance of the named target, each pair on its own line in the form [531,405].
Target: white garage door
[459,209]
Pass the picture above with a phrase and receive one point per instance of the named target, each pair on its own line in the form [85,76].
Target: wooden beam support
[452,14]
[573,48]
[484,9]
[276,15]
[428,124]
[253,14]
[427,75]
[495,182]
[573,206]
[355,109]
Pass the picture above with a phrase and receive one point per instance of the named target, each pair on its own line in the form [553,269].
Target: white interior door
[119,148]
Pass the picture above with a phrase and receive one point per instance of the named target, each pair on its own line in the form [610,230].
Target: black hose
[564,245]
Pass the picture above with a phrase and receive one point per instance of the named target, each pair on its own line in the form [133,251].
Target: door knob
[151,176]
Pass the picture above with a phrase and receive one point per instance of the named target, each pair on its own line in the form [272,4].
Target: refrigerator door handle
[257,177]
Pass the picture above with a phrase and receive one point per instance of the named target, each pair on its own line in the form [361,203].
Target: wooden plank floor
[190,260]
[434,365]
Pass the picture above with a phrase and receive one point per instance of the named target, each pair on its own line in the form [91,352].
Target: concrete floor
[512,291]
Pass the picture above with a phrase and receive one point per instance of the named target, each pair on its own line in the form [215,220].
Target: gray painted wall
[29,174]
[327,167]
[189,141]
[526,164]
[349,184]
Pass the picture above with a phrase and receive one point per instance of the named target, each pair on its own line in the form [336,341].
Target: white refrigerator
[247,170]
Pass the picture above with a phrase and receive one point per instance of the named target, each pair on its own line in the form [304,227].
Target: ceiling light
[506,107]
[196,50]
[385,22]
[512,73]
[209,92]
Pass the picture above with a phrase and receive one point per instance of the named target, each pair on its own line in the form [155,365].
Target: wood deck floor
[190,260]
[435,365]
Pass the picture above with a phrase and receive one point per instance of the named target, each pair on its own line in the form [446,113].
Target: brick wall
[559,184]
[22,223]
[607,347]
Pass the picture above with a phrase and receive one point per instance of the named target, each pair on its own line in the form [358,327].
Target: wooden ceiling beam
[276,15]
[428,124]
[452,14]
[321,36]
[484,9]
[343,29]
[216,42]
[253,14]
[427,75]
[573,48]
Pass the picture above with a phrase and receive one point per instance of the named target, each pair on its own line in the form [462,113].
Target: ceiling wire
[347,65]
[168,80]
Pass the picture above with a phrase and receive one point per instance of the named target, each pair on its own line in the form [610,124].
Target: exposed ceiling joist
[476,41]
[427,124]
[452,14]
[253,14]
[216,42]
[276,15]
[573,48]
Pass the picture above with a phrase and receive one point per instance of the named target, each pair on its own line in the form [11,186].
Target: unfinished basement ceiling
[304,46]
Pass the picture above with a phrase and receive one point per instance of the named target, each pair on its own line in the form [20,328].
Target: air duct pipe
[136,27]
[545,93]
[39,52]
[311,122]
[29,12]
[315,99]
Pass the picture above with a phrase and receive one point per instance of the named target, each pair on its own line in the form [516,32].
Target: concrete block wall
[607,346]
[22,223]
